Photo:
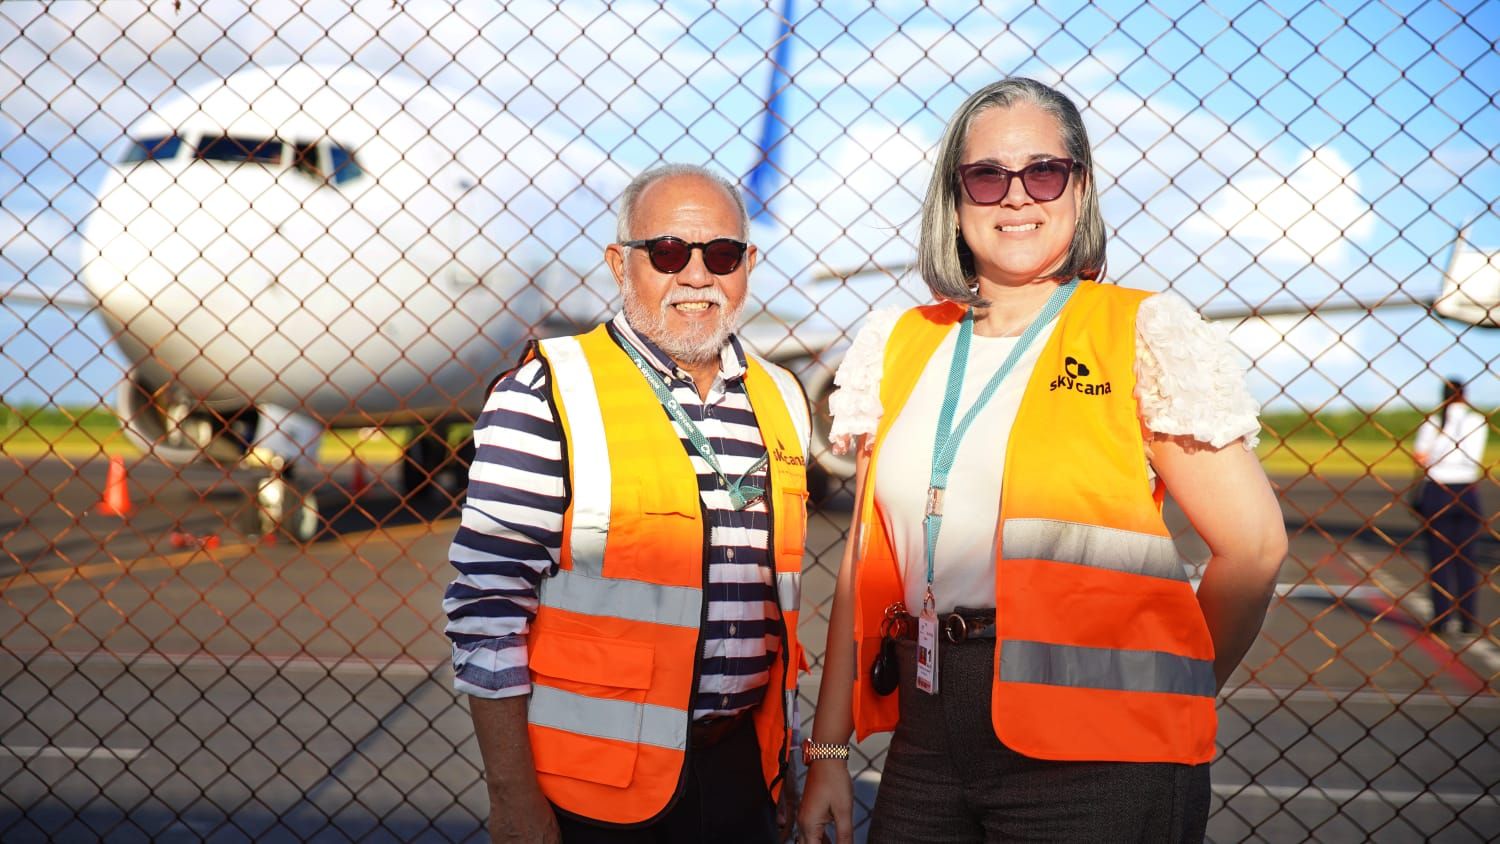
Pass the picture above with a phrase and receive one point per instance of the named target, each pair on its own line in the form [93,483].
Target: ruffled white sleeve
[855,405]
[1190,380]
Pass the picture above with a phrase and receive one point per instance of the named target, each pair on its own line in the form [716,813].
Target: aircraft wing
[67,299]
[1471,296]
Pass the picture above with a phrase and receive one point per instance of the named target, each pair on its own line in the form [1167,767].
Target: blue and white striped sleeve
[510,534]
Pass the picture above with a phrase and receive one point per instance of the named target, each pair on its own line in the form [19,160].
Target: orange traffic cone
[116,492]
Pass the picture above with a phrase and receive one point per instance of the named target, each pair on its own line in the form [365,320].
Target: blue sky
[1249,153]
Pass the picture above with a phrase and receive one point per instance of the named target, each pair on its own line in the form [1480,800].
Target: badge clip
[927,646]
[934,505]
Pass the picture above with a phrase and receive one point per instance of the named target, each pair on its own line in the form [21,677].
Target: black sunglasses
[668,254]
[1044,181]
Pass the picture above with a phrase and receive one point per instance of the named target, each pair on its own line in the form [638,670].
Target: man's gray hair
[638,185]
[943,259]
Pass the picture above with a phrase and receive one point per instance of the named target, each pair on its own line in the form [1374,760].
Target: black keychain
[885,672]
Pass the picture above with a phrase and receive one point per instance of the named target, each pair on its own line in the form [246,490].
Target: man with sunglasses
[625,613]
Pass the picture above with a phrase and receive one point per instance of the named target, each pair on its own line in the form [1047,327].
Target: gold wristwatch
[812,751]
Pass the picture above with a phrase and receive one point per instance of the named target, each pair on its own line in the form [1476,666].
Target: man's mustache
[712,295]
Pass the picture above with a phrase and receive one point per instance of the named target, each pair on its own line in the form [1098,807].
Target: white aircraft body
[289,250]
[294,249]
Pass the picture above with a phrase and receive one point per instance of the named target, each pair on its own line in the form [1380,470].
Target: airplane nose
[175,255]
[159,231]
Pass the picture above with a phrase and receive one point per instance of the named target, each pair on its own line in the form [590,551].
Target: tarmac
[244,689]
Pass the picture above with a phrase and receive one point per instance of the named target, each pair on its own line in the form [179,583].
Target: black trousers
[1454,523]
[949,779]
[724,799]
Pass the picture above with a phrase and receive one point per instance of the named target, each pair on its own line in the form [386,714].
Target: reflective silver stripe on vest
[632,600]
[574,383]
[1091,545]
[789,590]
[791,396]
[621,720]
[1104,668]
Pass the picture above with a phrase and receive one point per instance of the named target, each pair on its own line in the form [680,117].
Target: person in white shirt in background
[1450,449]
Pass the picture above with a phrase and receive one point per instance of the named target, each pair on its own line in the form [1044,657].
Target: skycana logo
[783,456]
[1074,372]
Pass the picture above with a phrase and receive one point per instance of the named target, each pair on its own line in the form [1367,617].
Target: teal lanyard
[741,494]
[945,446]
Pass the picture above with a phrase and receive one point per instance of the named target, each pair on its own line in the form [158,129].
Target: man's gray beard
[684,350]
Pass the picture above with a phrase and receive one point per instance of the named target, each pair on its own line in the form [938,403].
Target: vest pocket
[656,532]
[664,496]
[587,706]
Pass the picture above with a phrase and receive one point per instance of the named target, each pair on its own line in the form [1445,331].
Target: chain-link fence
[261,261]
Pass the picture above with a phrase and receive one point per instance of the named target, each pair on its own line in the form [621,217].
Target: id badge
[927,644]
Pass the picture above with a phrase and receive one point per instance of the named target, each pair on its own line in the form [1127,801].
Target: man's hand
[786,807]
[518,809]
[524,817]
[829,799]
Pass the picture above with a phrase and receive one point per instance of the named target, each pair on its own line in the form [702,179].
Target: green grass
[71,432]
[1347,443]
[1342,443]
[82,433]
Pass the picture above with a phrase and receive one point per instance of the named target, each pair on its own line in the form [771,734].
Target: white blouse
[1189,381]
[1454,446]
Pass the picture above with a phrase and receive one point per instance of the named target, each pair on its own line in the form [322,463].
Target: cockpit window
[152,149]
[345,168]
[306,157]
[228,148]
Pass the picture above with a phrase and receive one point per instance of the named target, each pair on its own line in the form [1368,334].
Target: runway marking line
[1447,659]
[1310,791]
[1419,606]
[405,666]
[1396,798]
[182,559]
[74,753]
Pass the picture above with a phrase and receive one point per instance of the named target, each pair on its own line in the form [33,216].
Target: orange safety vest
[1101,650]
[614,649]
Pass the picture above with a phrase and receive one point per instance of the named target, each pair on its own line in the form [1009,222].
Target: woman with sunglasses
[1010,601]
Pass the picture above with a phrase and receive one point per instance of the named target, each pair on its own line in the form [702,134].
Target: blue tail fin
[761,184]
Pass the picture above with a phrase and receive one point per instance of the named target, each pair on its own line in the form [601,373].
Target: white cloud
[1182,187]
[1307,211]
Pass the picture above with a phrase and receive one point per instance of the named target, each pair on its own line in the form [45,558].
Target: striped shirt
[510,536]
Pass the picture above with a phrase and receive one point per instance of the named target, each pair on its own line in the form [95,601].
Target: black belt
[958,626]
[707,732]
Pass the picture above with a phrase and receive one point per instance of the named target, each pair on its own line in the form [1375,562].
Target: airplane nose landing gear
[286,509]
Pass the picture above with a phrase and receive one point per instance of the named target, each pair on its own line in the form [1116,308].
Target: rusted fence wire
[261,261]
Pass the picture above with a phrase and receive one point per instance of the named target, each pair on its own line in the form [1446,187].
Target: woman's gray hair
[943,259]
[638,185]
